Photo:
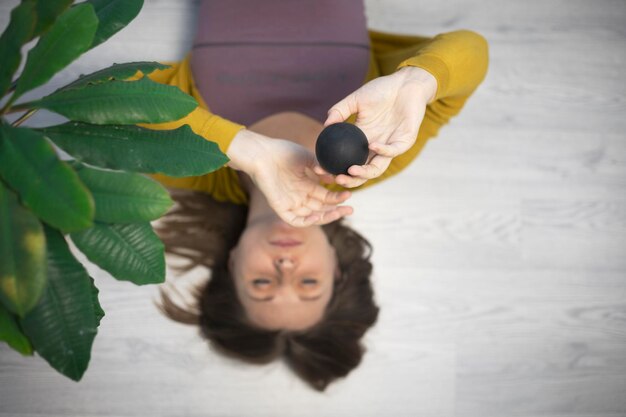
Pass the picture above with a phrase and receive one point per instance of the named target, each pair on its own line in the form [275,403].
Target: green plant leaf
[99,312]
[11,333]
[129,252]
[113,15]
[46,185]
[22,255]
[115,72]
[47,13]
[63,325]
[69,37]
[123,197]
[177,153]
[18,32]
[119,102]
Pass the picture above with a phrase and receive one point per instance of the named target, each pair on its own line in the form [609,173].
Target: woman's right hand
[283,171]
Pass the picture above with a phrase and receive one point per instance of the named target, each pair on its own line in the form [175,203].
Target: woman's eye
[260,282]
[309,281]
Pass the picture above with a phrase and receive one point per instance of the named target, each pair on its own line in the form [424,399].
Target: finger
[342,110]
[349,181]
[327,179]
[306,209]
[319,170]
[334,116]
[316,205]
[311,220]
[294,215]
[328,207]
[324,176]
[290,218]
[300,221]
[390,150]
[375,168]
[331,197]
[328,197]
[334,215]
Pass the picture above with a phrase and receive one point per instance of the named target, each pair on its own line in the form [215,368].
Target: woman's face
[283,275]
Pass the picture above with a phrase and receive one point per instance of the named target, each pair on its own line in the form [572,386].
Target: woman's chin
[280,227]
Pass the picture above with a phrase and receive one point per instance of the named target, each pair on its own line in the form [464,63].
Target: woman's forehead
[280,314]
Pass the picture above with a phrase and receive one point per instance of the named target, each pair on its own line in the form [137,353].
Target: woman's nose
[283,263]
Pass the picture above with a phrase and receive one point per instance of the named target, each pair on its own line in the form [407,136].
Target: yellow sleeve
[222,184]
[458,60]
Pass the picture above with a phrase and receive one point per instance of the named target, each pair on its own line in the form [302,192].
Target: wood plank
[538,378]
[499,253]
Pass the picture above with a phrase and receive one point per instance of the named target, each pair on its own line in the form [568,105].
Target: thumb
[342,110]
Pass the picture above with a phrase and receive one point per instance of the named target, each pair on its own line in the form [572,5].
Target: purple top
[253,58]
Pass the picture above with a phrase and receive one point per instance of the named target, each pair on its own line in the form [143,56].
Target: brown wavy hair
[203,231]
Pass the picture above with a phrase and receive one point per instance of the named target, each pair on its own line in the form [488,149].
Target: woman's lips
[285,243]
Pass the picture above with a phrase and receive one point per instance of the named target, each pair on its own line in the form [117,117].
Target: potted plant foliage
[100,199]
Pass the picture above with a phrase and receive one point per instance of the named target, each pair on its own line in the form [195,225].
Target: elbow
[478,47]
[474,50]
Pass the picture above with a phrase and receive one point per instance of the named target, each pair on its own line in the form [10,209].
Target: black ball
[341,145]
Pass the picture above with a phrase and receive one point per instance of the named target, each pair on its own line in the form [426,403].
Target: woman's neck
[258,207]
[293,126]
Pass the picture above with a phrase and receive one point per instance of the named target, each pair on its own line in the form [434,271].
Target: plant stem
[12,88]
[16,108]
[4,109]
[7,106]
[11,91]
[24,117]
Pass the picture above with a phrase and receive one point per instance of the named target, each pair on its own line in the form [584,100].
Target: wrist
[245,151]
[422,79]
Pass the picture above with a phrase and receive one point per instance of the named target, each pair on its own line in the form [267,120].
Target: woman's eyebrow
[271,297]
[268,298]
[317,297]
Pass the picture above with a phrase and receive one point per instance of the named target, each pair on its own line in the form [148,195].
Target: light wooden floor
[500,254]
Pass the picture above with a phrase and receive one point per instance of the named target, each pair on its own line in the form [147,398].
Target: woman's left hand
[293,190]
[390,110]
[283,171]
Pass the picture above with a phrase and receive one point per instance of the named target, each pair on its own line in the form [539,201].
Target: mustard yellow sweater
[458,60]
